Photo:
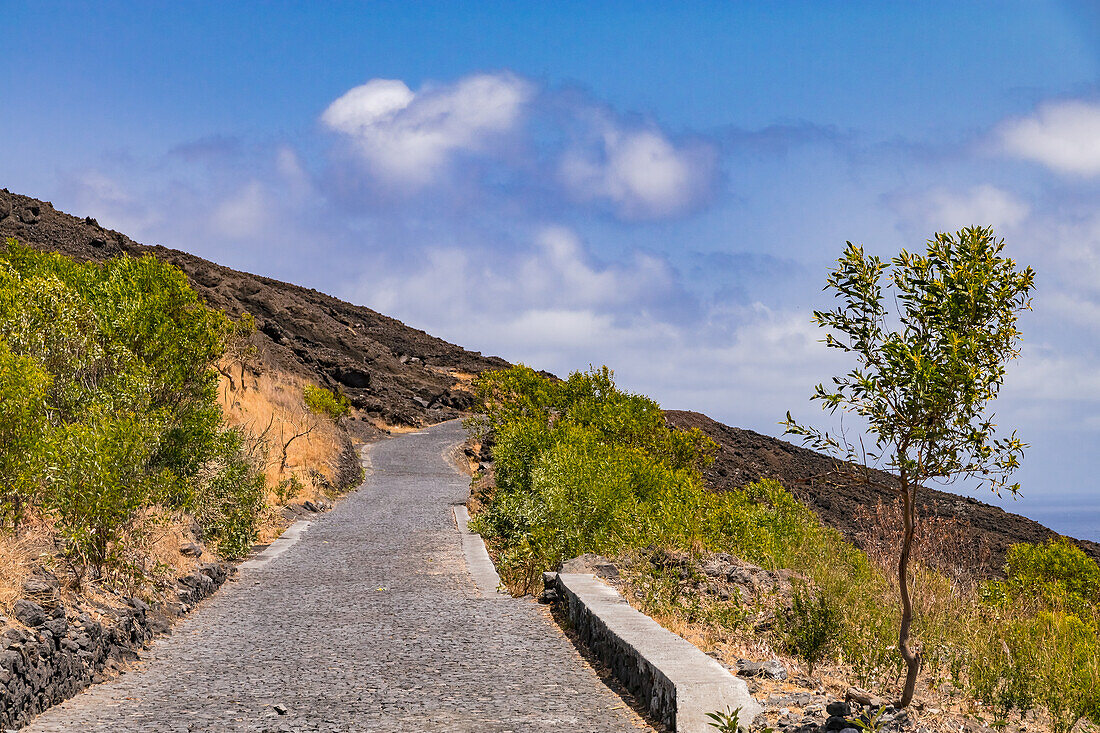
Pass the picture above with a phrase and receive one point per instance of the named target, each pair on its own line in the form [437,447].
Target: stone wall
[54,652]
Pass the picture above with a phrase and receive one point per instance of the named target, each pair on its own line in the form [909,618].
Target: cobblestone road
[370,622]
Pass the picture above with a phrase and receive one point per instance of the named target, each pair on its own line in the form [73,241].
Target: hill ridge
[399,375]
[745,455]
[391,372]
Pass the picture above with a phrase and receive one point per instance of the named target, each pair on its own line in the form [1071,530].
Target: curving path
[369,622]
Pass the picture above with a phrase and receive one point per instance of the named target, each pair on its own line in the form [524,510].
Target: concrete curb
[678,683]
[281,544]
[478,561]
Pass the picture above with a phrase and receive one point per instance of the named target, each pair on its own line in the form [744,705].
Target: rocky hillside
[746,456]
[397,375]
[392,374]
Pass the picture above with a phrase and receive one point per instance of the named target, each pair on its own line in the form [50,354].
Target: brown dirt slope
[745,456]
[392,373]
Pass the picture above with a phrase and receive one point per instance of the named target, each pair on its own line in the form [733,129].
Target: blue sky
[658,186]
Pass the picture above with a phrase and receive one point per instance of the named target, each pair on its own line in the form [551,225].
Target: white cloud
[1042,378]
[1064,136]
[1063,245]
[1080,310]
[942,209]
[564,329]
[364,107]
[559,267]
[410,138]
[293,174]
[639,172]
[553,274]
[549,304]
[112,203]
[243,215]
[512,135]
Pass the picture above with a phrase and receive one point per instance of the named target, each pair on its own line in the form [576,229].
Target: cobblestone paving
[369,623]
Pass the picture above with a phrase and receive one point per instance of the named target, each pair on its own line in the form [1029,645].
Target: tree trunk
[912,659]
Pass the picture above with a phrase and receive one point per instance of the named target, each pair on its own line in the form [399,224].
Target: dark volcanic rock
[352,377]
[745,456]
[192,549]
[28,613]
[62,654]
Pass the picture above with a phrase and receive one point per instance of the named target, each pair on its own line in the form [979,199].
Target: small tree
[923,383]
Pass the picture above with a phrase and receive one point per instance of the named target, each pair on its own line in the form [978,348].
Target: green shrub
[1056,663]
[583,467]
[325,402]
[109,403]
[765,524]
[23,430]
[288,488]
[811,626]
[998,675]
[230,499]
[1056,571]
[100,484]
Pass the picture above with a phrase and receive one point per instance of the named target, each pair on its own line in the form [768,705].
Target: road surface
[369,622]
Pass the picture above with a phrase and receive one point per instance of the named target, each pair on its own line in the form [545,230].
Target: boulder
[772,669]
[591,563]
[192,549]
[29,613]
[30,214]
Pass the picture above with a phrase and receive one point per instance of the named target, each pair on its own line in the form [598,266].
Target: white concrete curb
[677,682]
[292,534]
[478,561]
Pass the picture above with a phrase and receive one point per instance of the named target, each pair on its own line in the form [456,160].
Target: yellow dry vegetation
[16,553]
[464,381]
[291,442]
[153,548]
[285,438]
[154,543]
[392,428]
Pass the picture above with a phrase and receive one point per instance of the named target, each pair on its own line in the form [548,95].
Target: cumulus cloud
[1064,136]
[551,273]
[410,138]
[639,172]
[1052,386]
[550,303]
[560,267]
[944,209]
[507,136]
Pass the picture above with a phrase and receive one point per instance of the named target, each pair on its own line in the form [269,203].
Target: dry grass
[16,557]
[464,380]
[271,525]
[298,449]
[948,545]
[941,707]
[156,540]
[290,441]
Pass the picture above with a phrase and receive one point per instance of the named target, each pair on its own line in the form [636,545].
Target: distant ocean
[1075,515]
[1082,522]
